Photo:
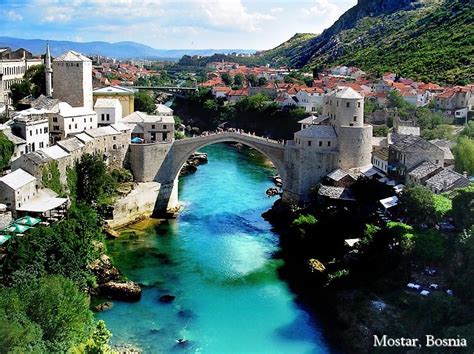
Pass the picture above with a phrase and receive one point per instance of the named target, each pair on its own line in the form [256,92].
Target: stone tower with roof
[337,139]
[72,79]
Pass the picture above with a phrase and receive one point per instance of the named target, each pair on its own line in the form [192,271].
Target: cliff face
[427,39]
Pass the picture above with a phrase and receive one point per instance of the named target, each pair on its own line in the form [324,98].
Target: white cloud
[276,10]
[12,15]
[324,12]
[231,14]
[59,14]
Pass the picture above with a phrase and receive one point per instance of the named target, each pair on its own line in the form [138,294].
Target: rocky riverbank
[111,283]
[190,166]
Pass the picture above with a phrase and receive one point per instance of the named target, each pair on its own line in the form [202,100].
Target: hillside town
[355,128]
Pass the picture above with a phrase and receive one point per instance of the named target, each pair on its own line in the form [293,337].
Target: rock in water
[125,291]
[167,299]
[104,306]
[103,270]
[272,191]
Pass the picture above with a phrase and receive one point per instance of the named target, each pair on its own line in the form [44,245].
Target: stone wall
[138,204]
[147,159]
[355,146]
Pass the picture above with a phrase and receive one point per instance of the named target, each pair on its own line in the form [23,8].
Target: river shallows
[216,258]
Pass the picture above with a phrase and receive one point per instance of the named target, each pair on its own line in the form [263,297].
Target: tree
[380,130]
[262,81]
[304,224]
[252,79]
[37,77]
[20,91]
[239,79]
[144,102]
[442,131]
[463,208]
[418,204]
[47,315]
[464,155]
[468,130]
[95,184]
[227,79]
[429,246]
[6,151]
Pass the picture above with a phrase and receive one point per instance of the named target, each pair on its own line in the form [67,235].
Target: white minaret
[48,72]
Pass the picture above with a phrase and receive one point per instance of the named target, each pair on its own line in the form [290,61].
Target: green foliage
[464,279]
[37,77]
[370,231]
[262,81]
[464,155]
[468,130]
[20,91]
[121,175]
[395,100]
[380,130]
[429,246]
[178,135]
[66,248]
[304,224]
[427,119]
[402,233]
[442,131]
[239,79]
[144,102]
[418,204]
[252,79]
[47,315]
[51,178]
[227,79]
[443,205]
[6,151]
[71,178]
[463,208]
[94,184]
[99,342]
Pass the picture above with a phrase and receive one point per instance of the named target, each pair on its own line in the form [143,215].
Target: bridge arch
[181,150]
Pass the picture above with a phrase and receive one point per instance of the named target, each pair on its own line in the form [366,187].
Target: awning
[28,220]
[389,202]
[41,205]
[4,238]
[16,228]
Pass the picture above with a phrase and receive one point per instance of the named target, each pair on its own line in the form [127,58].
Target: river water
[217,259]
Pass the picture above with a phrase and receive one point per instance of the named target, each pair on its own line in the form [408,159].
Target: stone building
[72,79]
[151,128]
[408,151]
[124,95]
[13,65]
[16,189]
[109,111]
[344,143]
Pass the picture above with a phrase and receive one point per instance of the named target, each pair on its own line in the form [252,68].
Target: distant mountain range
[119,50]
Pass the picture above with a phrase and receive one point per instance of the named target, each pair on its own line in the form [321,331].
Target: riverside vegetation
[362,291]
[46,277]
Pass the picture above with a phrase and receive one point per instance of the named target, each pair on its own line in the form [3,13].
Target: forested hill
[431,40]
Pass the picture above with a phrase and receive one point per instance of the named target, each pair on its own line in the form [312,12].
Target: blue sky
[170,24]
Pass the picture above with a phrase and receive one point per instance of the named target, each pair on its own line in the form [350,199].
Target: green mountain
[430,40]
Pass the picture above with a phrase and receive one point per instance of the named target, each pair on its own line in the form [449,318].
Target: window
[351,124]
[91,121]
[355,118]
[358,104]
[115,138]
[41,145]
[46,129]
[309,142]
[329,143]
[108,117]
[348,104]
[320,143]
[70,127]
[114,147]
[164,126]
[55,127]
[102,116]
[31,132]
[337,103]
[152,126]
[75,126]
[165,136]
[55,119]
[84,120]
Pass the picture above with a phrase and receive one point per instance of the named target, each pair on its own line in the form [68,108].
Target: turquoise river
[217,258]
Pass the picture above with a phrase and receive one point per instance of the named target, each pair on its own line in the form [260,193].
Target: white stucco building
[109,111]
[32,125]
[71,120]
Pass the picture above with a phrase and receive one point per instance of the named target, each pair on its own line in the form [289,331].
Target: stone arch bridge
[163,162]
